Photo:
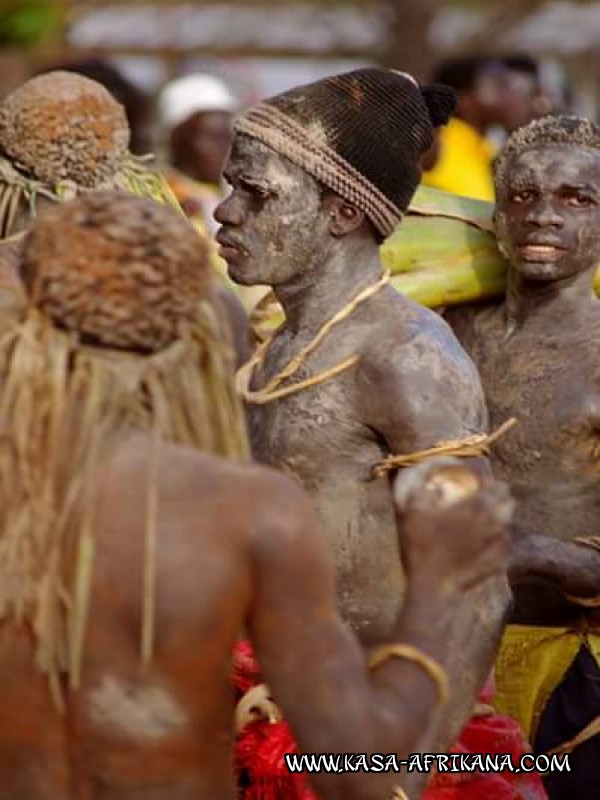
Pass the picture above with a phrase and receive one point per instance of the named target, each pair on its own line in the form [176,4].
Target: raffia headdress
[116,337]
[62,135]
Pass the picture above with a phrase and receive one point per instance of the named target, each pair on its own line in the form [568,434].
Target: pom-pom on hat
[361,134]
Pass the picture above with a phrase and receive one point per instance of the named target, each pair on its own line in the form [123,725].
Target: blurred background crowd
[182,68]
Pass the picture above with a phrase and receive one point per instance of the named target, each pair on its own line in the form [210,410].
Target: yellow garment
[464,165]
[531,664]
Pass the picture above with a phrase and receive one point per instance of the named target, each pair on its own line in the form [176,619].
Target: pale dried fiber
[63,409]
[20,193]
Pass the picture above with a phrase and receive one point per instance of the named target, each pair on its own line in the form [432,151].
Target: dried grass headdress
[115,337]
[61,135]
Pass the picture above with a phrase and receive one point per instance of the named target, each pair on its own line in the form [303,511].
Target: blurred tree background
[27,23]
[34,30]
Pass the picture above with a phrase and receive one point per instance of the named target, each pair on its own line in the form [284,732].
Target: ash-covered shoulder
[414,337]
[413,376]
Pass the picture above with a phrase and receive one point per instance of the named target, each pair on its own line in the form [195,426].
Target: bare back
[236,546]
[132,732]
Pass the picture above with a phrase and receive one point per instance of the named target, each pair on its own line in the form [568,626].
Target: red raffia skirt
[262,743]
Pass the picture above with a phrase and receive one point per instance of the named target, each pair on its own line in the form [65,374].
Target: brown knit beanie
[361,134]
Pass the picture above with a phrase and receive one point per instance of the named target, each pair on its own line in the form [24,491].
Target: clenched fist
[452,524]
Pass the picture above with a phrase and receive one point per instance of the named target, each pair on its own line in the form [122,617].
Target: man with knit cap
[129,560]
[320,176]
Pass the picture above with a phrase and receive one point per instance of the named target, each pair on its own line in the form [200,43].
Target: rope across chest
[273,389]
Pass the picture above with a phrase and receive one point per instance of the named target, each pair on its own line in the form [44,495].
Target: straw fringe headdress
[64,404]
[62,135]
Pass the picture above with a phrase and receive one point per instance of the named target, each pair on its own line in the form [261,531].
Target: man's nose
[229,211]
[543,214]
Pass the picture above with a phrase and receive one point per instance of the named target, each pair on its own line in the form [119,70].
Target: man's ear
[343,216]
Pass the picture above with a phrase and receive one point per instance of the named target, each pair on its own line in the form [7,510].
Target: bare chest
[317,436]
[543,375]
[316,432]
[551,388]
[552,457]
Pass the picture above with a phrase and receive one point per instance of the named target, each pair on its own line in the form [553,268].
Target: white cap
[184,97]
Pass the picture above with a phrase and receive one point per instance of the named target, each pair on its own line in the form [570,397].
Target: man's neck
[317,295]
[547,303]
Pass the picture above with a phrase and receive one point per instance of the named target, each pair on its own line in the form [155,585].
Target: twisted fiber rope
[314,163]
[584,602]
[47,514]
[272,390]
[469,447]
[593,542]
[286,136]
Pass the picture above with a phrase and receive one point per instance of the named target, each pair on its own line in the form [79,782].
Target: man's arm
[314,665]
[573,568]
[428,391]
[420,392]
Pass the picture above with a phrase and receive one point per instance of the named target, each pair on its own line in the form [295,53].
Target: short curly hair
[550,130]
[121,271]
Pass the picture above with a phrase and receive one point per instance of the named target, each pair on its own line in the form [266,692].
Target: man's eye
[521,197]
[580,200]
[256,191]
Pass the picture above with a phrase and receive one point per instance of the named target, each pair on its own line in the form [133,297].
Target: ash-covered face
[273,224]
[548,214]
